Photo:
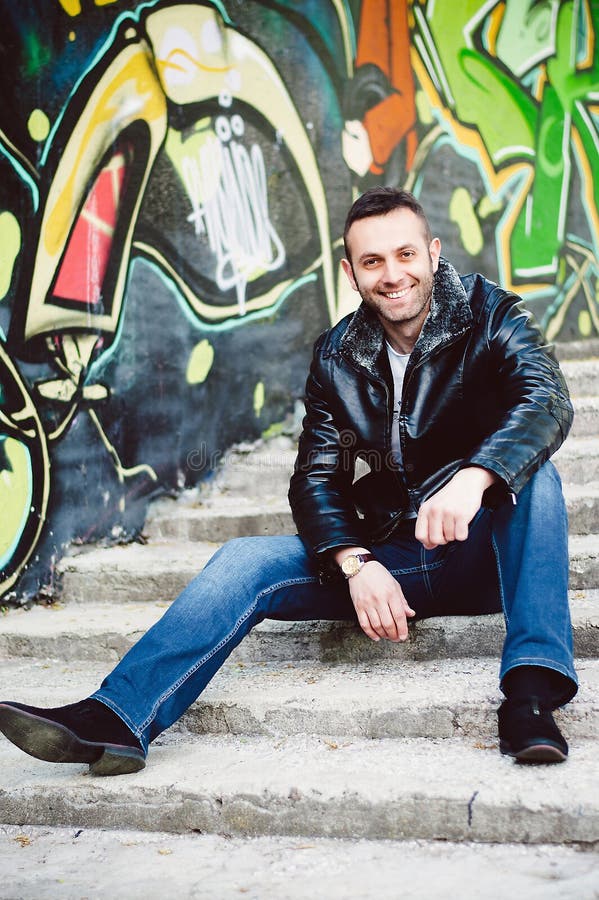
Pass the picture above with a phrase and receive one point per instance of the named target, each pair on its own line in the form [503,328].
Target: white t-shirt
[398,363]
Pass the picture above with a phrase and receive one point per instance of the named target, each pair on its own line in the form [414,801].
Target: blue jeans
[515,559]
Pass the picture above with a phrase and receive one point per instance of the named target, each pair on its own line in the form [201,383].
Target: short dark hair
[378,201]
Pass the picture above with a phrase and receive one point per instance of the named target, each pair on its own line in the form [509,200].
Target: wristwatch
[351,565]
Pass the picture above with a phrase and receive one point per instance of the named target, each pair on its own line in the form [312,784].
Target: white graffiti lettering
[227,188]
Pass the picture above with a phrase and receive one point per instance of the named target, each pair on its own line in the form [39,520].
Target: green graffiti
[37,54]
[528,110]
[473,85]
[525,34]
[539,231]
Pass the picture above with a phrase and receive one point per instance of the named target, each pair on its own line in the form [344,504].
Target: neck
[401,337]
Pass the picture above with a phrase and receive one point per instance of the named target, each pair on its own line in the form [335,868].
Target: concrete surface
[163,568]
[586,417]
[238,517]
[582,376]
[105,631]
[316,763]
[38,863]
[578,460]
[582,502]
[431,789]
[438,698]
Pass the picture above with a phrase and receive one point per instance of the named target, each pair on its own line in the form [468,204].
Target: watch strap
[362,558]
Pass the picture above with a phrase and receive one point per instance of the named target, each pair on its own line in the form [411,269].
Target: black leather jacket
[481,388]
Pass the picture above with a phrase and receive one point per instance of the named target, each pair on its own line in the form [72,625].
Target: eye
[369,263]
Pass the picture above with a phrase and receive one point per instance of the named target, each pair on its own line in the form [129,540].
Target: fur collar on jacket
[449,316]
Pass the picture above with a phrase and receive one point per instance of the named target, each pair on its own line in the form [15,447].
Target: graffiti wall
[174,180]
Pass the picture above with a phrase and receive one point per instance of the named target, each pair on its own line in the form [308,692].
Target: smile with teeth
[395,295]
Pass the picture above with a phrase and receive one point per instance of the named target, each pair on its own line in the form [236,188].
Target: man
[443,386]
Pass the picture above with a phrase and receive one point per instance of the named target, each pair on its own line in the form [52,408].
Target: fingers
[435,527]
[446,515]
[380,605]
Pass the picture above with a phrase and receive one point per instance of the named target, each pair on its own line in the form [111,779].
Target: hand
[446,515]
[379,602]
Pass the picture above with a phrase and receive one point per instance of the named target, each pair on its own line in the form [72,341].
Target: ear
[347,268]
[435,252]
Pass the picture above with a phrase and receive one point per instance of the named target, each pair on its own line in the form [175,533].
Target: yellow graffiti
[73,7]
[169,63]
[208,311]
[122,471]
[15,490]
[212,62]
[38,125]
[585,323]
[461,211]
[580,261]
[259,398]
[200,362]
[10,242]
[179,149]
[128,92]
[23,481]
[113,104]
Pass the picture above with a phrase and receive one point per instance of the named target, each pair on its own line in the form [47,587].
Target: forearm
[478,477]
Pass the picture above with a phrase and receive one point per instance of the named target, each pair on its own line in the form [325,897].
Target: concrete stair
[311,732]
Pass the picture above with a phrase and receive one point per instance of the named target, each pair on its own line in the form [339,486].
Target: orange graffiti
[384,41]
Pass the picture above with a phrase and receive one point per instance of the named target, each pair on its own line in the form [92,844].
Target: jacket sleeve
[536,412]
[320,487]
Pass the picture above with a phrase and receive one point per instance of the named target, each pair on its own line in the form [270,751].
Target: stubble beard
[423,299]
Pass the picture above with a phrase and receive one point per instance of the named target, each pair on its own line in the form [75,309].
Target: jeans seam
[425,571]
[183,678]
[532,660]
[499,579]
[289,581]
[138,732]
[526,660]
[197,666]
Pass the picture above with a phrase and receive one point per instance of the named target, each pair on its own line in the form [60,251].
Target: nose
[393,271]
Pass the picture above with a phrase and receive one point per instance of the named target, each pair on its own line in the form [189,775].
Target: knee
[251,554]
[236,549]
[544,485]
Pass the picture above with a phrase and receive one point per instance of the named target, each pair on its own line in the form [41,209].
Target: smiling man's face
[392,267]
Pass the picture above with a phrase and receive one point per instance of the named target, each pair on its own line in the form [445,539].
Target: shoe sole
[53,742]
[543,752]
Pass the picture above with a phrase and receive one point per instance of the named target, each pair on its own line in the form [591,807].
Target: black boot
[528,732]
[84,732]
[527,729]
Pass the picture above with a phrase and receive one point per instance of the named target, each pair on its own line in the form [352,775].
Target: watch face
[350,565]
